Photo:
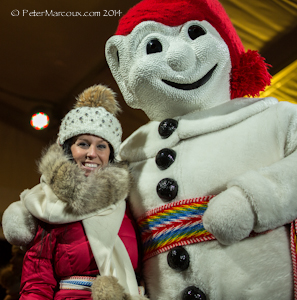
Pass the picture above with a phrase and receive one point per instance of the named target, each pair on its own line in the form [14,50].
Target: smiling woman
[74,222]
[90,152]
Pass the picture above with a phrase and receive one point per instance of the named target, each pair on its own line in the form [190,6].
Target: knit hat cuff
[91,120]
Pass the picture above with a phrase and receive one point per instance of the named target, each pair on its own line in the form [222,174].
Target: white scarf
[101,227]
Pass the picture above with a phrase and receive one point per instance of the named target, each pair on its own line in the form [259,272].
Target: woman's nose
[91,151]
[180,56]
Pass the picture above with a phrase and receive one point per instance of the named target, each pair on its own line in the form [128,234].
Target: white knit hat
[94,113]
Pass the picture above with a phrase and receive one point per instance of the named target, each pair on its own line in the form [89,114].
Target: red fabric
[64,251]
[178,12]
[250,76]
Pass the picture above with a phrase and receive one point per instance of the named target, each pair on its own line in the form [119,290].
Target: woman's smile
[90,152]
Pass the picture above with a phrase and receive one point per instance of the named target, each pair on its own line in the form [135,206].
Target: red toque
[249,71]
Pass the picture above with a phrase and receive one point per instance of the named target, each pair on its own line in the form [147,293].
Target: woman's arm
[38,277]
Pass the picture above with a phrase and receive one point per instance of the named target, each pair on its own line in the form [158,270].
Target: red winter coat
[64,251]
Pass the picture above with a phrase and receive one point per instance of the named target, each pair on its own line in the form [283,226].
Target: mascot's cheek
[145,75]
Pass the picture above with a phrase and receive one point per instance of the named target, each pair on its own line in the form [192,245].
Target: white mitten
[229,216]
[19,226]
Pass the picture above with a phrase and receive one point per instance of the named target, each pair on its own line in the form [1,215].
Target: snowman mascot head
[172,57]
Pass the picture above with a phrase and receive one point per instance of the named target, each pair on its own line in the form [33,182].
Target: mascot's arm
[262,199]
[84,194]
[19,226]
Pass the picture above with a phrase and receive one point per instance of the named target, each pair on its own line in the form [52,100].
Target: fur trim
[108,288]
[84,194]
[99,95]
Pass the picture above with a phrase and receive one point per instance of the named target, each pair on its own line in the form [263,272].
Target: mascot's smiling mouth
[192,86]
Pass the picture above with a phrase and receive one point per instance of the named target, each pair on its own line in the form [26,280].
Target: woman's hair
[67,149]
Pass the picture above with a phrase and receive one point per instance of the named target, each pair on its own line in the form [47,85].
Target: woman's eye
[101,146]
[195,31]
[83,145]
[153,46]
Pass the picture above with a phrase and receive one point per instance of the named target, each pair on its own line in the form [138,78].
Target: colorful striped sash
[77,283]
[294,254]
[174,224]
[180,223]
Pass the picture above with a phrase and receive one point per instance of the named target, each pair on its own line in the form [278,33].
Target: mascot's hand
[229,216]
[19,226]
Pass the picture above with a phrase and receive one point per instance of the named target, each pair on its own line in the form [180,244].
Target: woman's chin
[88,171]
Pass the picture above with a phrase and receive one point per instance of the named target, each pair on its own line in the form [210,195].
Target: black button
[178,259]
[167,189]
[165,158]
[167,127]
[193,293]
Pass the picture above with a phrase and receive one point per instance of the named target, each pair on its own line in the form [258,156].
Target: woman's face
[90,152]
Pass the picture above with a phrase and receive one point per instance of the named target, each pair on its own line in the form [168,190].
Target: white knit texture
[91,120]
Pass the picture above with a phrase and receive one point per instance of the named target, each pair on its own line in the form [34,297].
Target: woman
[79,211]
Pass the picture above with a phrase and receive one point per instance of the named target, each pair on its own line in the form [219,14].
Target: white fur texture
[242,150]
[229,216]
[19,226]
[217,155]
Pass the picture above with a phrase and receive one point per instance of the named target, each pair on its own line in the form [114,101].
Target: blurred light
[39,120]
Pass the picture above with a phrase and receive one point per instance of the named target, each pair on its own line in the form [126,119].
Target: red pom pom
[250,76]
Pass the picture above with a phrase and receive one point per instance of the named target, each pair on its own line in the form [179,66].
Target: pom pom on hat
[250,76]
[99,95]
[178,12]
[94,113]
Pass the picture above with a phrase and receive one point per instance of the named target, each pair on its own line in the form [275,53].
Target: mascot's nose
[180,56]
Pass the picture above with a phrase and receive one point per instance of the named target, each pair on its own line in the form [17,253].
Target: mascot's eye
[195,31]
[153,46]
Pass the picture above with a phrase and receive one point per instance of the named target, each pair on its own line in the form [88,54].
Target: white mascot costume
[215,189]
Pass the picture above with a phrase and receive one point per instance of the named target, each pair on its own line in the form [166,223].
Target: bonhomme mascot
[215,172]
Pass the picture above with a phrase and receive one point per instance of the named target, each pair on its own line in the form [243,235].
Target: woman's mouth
[90,165]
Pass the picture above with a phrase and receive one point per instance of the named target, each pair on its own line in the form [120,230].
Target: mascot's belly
[204,164]
[257,268]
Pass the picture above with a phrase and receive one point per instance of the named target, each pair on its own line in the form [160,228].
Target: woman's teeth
[88,165]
